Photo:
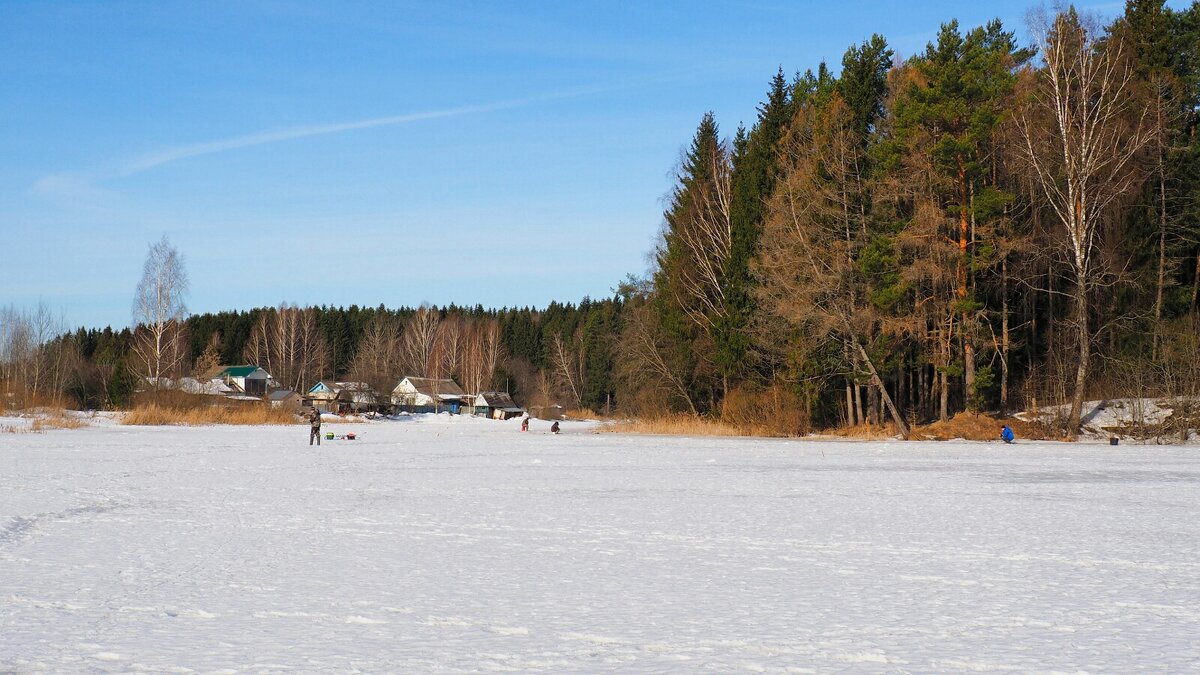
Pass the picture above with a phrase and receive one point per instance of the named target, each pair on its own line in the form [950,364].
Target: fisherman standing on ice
[315,429]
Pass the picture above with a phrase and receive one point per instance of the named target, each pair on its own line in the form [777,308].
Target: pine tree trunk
[922,392]
[849,358]
[944,376]
[969,380]
[1004,338]
[964,241]
[1196,286]
[858,403]
[849,403]
[1162,264]
[944,403]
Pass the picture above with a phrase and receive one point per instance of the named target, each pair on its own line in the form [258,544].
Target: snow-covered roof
[192,385]
[434,386]
[240,371]
[337,387]
[496,399]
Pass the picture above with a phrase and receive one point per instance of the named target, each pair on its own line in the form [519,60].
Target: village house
[343,397]
[246,379]
[425,394]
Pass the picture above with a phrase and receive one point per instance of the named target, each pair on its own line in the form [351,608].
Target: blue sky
[500,153]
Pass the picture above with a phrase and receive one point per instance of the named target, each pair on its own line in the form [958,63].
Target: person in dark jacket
[314,432]
[554,428]
[1006,434]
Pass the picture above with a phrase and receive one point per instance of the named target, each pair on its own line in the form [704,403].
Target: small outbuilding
[285,399]
[497,405]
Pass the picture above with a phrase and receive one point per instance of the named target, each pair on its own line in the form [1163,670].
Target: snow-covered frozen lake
[465,545]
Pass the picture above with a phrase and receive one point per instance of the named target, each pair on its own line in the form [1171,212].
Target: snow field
[461,545]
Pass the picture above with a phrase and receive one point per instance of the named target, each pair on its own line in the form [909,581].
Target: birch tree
[378,358]
[288,344]
[417,344]
[448,346]
[1083,137]
[568,363]
[481,354]
[159,311]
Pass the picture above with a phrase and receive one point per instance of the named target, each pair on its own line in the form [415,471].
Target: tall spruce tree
[754,174]
[863,83]
[686,298]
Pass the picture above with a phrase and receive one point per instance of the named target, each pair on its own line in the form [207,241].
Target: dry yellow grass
[977,427]
[968,426]
[866,432]
[57,419]
[675,425]
[155,415]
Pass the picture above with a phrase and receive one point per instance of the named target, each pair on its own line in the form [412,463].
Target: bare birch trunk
[1084,355]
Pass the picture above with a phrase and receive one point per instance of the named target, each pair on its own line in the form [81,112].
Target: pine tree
[945,120]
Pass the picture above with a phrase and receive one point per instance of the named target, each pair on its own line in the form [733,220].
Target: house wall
[292,403]
[407,395]
[254,384]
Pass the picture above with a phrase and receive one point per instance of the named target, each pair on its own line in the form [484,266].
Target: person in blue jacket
[1006,434]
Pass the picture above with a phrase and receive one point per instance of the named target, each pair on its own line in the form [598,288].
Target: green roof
[238,371]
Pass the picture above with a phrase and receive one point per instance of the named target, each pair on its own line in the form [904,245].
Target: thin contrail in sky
[84,182]
[176,153]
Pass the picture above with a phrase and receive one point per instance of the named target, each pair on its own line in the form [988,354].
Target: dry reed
[866,432]
[977,427]
[57,419]
[156,415]
[675,425]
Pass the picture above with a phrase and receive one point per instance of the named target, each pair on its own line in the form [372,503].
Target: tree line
[981,226]
[557,355]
